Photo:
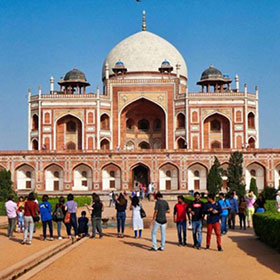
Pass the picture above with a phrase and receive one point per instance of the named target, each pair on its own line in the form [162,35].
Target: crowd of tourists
[220,216]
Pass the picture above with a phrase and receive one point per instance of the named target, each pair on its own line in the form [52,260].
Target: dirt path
[244,257]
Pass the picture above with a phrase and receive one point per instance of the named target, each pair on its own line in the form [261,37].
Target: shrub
[269,193]
[253,186]
[267,228]
[6,185]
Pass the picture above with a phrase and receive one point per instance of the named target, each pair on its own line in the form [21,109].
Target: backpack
[58,214]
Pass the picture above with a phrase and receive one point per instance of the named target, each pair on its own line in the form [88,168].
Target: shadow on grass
[255,248]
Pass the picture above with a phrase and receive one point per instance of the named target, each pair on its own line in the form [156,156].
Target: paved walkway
[244,257]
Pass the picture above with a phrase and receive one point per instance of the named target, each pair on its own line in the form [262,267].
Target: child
[20,216]
[83,225]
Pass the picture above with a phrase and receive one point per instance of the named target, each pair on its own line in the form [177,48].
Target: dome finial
[144,21]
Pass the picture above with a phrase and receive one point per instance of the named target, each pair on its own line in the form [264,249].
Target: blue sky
[49,37]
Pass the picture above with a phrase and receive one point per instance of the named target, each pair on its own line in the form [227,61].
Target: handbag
[67,218]
[35,218]
[142,213]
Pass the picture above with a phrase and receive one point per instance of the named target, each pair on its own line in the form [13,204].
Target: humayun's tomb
[143,126]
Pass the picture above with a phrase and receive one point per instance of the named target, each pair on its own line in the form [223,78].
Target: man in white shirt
[11,209]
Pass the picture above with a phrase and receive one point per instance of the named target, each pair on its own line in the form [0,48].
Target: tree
[6,185]
[235,174]
[214,180]
[253,186]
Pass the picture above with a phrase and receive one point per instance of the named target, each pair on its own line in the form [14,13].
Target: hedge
[267,228]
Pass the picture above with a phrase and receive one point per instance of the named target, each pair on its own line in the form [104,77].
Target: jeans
[50,225]
[217,229]
[231,219]
[59,224]
[121,221]
[28,227]
[224,228]
[182,226]
[140,233]
[154,234]
[96,226]
[197,236]
[11,227]
[242,220]
[73,223]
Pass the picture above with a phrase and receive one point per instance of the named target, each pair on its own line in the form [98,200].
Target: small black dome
[75,74]
[211,73]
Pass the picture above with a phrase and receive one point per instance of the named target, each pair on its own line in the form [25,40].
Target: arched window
[196,173]
[84,174]
[105,122]
[71,146]
[216,145]
[144,146]
[215,126]
[105,145]
[194,117]
[168,173]
[181,144]
[157,125]
[35,122]
[35,145]
[28,174]
[180,120]
[252,143]
[251,120]
[71,126]
[112,174]
[144,125]
[129,124]
[130,145]
[253,173]
[56,174]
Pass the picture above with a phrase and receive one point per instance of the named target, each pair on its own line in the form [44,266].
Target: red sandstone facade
[145,127]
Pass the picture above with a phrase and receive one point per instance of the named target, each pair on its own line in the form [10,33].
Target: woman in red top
[31,210]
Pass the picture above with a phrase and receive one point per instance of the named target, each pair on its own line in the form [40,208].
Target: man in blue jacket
[233,211]
[46,216]
[224,204]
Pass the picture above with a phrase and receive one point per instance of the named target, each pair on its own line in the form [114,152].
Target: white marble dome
[145,52]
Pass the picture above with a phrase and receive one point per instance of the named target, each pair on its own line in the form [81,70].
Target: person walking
[137,221]
[59,215]
[96,215]
[71,216]
[159,221]
[242,212]
[46,216]
[250,207]
[224,214]
[31,211]
[121,204]
[11,210]
[233,211]
[196,209]
[213,211]
[180,218]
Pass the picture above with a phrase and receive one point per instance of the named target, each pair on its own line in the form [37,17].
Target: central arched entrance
[140,176]
[142,125]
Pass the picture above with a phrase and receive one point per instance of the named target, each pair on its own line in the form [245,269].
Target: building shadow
[253,247]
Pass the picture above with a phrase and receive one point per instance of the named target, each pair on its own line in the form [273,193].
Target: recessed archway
[140,176]
[111,177]
[25,176]
[216,132]
[197,177]
[168,177]
[146,120]
[105,145]
[69,133]
[277,176]
[82,177]
[54,178]
[256,171]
